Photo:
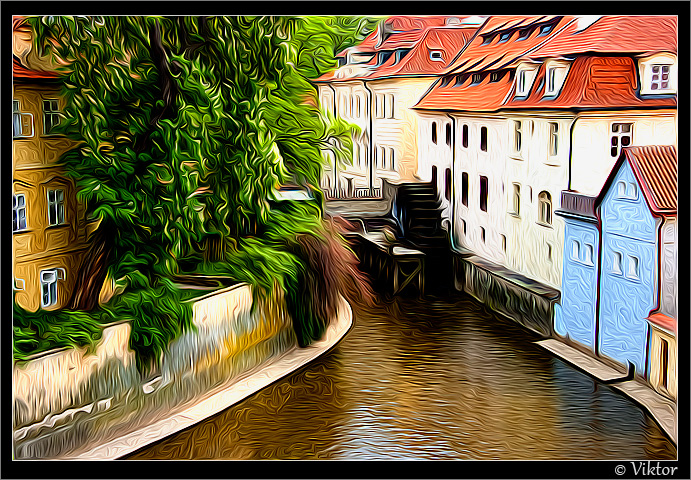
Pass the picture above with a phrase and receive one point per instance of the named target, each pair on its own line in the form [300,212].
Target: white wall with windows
[599,137]
[658,74]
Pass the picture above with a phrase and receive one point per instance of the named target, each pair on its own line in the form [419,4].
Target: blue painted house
[576,316]
[611,269]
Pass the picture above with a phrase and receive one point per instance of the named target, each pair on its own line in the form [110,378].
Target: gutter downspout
[600,234]
[370,135]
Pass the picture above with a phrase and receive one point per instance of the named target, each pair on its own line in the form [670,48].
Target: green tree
[185,128]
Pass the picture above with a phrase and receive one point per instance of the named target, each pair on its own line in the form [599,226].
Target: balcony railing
[343,193]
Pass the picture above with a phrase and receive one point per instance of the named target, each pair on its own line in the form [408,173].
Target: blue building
[611,269]
[576,316]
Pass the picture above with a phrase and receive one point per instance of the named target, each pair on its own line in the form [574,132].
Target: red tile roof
[449,40]
[497,54]
[614,34]
[591,83]
[663,321]
[656,169]
[21,71]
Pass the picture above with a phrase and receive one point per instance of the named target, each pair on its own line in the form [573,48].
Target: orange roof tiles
[663,321]
[593,82]
[486,96]
[497,54]
[614,34]
[21,71]
[656,169]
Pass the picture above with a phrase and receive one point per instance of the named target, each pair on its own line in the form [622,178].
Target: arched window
[434,132]
[545,206]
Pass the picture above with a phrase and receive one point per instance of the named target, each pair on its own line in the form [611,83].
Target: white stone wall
[669,269]
[439,154]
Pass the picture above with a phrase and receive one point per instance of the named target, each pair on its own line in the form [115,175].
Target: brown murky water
[444,379]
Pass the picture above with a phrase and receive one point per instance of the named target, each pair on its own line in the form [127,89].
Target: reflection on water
[443,379]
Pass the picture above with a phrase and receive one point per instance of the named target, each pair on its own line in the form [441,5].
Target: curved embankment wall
[69,400]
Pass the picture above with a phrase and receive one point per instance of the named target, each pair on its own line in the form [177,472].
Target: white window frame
[20,120]
[617,132]
[379,105]
[390,109]
[436,56]
[15,212]
[392,156]
[49,286]
[647,75]
[55,204]
[575,250]
[588,253]
[525,76]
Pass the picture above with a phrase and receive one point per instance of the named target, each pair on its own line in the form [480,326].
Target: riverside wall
[65,401]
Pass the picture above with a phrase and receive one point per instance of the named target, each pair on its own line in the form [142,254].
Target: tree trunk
[92,270]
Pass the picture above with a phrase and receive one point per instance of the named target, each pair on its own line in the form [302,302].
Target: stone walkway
[219,401]
[662,409]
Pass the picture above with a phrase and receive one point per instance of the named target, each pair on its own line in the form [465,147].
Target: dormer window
[436,55]
[446,81]
[555,74]
[459,80]
[545,29]
[496,76]
[504,37]
[487,39]
[658,75]
[522,83]
[477,78]
[523,34]
[551,76]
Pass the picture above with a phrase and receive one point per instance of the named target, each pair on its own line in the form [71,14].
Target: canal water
[435,379]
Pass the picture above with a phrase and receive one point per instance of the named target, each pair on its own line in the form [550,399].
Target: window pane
[575,250]
[656,68]
[654,86]
[665,69]
[625,141]
[664,85]
[626,127]
[60,195]
[615,127]
[615,141]
[588,254]
[53,293]
[51,196]
[61,213]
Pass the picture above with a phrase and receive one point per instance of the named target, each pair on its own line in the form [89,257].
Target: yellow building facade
[49,227]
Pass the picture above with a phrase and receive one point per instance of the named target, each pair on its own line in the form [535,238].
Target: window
[660,77]
[49,286]
[633,267]
[487,39]
[545,208]
[495,77]
[382,157]
[18,213]
[549,252]
[575,250]
[516,199]
[483,139]
[616,263]
[389,113]
[664,362]
[448,134]
[379,105]
[465,227]
[551,80]
[523,34]
[22,123]
[358,108]
[434,132]
[504,37]
[517,136]
[588,254]
[446,80]
[447,184]
[19,284]
[621,137]
[464,189]
[503,243]
[56,207]
[465,136]
[545,30]
[553,139]
[460,79]
[477,78]
[392,157]
[483,194]
[436,55]
[482,234]
[627,190]
[521,86]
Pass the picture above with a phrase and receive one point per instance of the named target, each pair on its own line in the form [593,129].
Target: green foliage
[186,126]
[36,332]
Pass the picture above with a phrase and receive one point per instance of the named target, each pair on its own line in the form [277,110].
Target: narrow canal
[444,379]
